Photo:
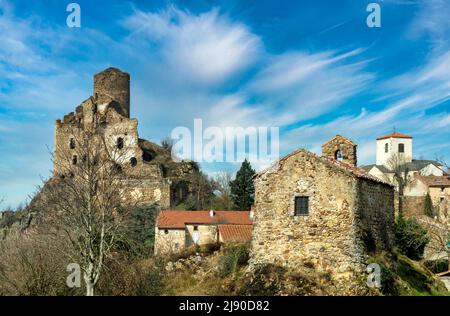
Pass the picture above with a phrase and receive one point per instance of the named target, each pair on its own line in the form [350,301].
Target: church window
[401,148]
[301,206]
[386,148]
[119,143]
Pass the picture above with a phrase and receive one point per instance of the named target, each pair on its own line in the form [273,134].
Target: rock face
[349,215]
[149,174]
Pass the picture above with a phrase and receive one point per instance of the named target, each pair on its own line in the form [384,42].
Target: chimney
[251,214]
[212,213]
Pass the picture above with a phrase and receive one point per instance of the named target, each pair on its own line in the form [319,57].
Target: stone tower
[394,144]
[113,84]
[340,148]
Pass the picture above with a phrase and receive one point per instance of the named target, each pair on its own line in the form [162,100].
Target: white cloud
[207,48]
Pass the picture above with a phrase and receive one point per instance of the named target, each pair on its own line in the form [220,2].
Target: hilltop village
[322,211]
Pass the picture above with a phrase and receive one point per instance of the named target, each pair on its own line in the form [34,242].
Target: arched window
[401,148]
[386,148]
[338,155]
[133,161]
[119,143]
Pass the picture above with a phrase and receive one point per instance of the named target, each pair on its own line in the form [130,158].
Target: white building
[396,150]
[394,144]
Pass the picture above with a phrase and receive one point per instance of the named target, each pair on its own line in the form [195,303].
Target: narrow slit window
[119,143]
[72,144]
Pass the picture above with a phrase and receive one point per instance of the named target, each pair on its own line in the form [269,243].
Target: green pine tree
[242,188]
[429,209]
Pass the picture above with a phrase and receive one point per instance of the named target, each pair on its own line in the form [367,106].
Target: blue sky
[313,68]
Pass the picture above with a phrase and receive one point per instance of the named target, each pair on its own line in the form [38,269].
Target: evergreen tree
[429,210]
[242,188]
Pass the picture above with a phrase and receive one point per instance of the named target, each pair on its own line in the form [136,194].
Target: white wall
[393,143]
[432,170]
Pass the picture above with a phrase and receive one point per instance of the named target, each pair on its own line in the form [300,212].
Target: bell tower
[341,149]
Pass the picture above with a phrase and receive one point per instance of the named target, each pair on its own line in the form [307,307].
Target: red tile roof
[179,219]
[394,135]
[235,232]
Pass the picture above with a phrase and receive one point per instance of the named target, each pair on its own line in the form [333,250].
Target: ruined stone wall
[326,237]
[147,191]
[375,215]
[113,84]
[148,169]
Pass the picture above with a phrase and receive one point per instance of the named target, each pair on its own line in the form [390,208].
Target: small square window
[195,228]
[301,206]
[166,231]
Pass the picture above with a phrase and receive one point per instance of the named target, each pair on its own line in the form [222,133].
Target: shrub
[234,257]
[210,248]
[437,266]
[410,237]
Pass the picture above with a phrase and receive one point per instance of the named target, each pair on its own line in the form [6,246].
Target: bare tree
[439,234]
[86,199]
[223,201]
[400,176]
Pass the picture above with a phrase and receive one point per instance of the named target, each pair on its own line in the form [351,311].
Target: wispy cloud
[207,48]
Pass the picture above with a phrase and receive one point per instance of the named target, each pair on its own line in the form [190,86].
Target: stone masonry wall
[375,216]
[326,237]
[169,240]
[147,169]
[348,150]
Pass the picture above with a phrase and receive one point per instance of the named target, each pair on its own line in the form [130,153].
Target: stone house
[148,172]
[177,230]
[437,187]
[321,211]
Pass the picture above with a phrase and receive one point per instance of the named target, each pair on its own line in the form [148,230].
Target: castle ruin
[148,173]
